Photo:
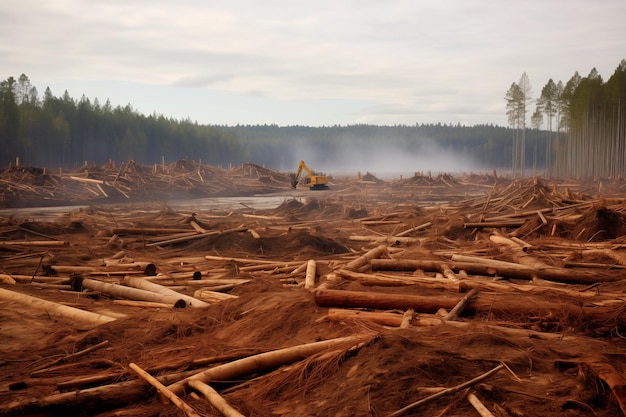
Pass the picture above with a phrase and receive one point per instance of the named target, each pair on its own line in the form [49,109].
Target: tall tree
[517,99]
[9,119]
[547,104]
[526,90]
[536,120]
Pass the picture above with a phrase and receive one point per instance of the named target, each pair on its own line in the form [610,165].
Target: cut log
[130,293]
[309,281]
[87,400]
[364,259]
[504,269]
[55,309]
[264,361]
[33,243]
[495,304]
[143,284]
[380,317]
[381,301]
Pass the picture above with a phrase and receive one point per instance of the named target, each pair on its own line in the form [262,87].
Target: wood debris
[373,298]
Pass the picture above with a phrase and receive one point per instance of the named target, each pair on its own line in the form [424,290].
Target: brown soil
[552,361]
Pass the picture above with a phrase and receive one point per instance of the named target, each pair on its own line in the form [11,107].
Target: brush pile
[370,299]
[92,184]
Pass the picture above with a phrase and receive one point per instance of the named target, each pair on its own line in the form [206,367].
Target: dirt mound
[292,244]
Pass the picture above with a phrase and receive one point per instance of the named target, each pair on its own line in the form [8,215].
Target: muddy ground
[557,326]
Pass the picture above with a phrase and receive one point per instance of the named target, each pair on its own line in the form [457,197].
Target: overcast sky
[315,63]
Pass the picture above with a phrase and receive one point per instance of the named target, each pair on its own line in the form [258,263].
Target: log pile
[509,301]
[92,184]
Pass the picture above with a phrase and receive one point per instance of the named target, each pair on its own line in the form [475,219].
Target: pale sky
[315,63]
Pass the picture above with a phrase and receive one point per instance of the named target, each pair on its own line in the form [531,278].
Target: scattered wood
[448,391]
[55,309]
[526,265]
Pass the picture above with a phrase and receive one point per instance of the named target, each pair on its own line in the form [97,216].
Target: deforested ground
[414,296]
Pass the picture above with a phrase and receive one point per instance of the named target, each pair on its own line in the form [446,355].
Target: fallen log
[55,309]
[131,293]
[144,284]
[163,391]
[503,269]
[195,236]
[495,304]
[363,260]
[479,406]
[380,317]
[458,309]
[33,243]
[552,273]
[414,229]
[392,240]
[214,398]
[90,399]
[263,361]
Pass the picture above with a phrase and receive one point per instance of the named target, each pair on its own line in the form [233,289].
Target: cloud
[393,62]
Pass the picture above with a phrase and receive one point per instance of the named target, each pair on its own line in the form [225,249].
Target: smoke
[386,158]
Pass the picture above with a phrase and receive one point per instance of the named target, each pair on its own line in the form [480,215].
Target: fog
[384,158]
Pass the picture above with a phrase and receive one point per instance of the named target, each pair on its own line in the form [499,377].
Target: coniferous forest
[578,128]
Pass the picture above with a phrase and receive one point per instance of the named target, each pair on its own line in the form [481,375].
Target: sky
[313,63]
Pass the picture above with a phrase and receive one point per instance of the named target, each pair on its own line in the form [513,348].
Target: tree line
[583,120]
[63,131]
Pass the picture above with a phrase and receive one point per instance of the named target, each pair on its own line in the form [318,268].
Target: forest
[578,128]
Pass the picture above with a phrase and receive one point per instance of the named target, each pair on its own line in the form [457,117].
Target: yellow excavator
[313,180]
